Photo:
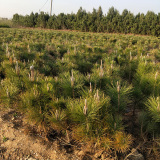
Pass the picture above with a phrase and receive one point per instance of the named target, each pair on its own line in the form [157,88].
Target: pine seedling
[153,108]
[90,89]
[120,97]
[85,107]
[7,49]
[130,56]
[89,76]
[29,50]
[71,85]
[155,82]
[57,119]
[122,142]
[85,113]
[99,78]
[16,67]
[111,68]
[72,79]
[7,92]
[32,73]
[148,125]
[101,72]
[96,96]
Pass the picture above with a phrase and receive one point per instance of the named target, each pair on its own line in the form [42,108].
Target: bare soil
[18,141]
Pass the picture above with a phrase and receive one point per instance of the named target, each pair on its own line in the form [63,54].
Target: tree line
[95,21]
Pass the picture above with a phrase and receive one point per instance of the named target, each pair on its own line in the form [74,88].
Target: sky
[9,7]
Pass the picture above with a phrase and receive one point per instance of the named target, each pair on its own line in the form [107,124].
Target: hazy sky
[10,7]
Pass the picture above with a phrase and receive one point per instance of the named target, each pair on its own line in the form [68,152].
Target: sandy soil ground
[19,142]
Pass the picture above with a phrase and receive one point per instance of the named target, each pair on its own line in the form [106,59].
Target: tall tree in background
[16,19]
[95,21]
[135,26]
[142,24]
[42,20]
[151,21]
[111,19]
[158,24]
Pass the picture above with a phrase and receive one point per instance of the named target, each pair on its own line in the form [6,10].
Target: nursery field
[97,90]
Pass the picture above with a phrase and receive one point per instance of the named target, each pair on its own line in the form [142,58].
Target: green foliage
[71,84]
[89,113]
[4,26]
[153,108]
[113,22]
[121,96]
[57,119]
[150,119]
[83,83]
[5,23]
[5,139]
